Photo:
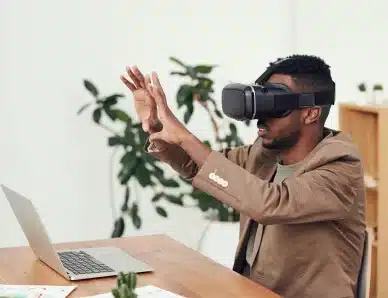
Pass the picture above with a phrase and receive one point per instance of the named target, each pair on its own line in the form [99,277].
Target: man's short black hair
[309,73]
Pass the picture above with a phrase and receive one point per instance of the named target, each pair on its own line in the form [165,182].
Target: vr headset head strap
[269,71]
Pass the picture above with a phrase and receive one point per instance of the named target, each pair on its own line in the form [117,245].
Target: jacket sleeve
[326,193]
[182,163]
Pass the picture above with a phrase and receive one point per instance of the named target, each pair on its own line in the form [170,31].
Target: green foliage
[362,87]
[198,92]
[126,285]
[378,87]
[138,167]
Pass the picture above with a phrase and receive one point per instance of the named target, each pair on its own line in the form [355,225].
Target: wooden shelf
[368,126]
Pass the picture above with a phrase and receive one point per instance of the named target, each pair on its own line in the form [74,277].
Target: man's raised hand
[145,105]
[173,131]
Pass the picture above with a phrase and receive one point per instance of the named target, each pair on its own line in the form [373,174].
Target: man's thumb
[155,136]
[145,125]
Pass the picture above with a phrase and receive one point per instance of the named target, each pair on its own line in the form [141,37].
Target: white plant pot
[220,241]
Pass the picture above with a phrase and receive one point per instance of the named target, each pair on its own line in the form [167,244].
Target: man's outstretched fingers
[147,81]
[127,83]
[133,77]
[156,81]
[159,99]
[139,76]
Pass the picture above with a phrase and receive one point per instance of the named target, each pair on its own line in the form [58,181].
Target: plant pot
[219,242]
[379,97]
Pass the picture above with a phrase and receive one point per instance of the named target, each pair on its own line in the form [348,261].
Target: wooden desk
[178,269]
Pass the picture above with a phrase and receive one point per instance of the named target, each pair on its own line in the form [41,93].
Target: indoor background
[61,160]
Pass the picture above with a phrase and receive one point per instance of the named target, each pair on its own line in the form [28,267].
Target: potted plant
[139,168]
[375,97]
[362,95]
[126,285]
[378,94]
[135,167]
[197,92]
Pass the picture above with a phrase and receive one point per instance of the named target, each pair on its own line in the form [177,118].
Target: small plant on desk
[126,285]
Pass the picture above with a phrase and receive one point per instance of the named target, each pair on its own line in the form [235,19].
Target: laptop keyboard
[79,262]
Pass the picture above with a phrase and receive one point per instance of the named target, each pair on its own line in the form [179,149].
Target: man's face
[281,133]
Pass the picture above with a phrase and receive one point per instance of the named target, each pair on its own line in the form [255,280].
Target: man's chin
[268,144]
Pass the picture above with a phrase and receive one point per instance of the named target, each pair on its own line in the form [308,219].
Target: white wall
[350,36]
[60,160]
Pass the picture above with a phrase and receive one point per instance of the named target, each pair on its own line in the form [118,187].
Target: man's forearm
[196,149]
[174,156]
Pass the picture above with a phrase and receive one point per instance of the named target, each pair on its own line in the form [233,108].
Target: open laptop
[74,264]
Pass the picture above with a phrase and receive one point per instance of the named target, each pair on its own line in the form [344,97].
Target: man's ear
[312,115]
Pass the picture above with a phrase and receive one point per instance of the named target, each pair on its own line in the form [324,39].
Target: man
[299,187]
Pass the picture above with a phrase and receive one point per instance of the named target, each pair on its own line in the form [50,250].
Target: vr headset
[266,100]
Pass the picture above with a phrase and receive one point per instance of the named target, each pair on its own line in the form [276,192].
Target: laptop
[73,264]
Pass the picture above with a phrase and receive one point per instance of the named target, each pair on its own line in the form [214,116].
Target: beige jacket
[314,221]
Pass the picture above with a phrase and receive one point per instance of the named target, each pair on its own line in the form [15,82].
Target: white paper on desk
[35,291]
[149,291]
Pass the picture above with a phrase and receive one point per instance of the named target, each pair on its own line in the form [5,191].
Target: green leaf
[178,73]
[203,94]
[117,140]
[124,291]
[205,201]
[136,220]
[124,207]
[191,72]
[207,143]
[116,293]
[218,113]
[177,61]
[157,197]
[109,113]
[204,69]
[143,175]
[112,99]
[223,213]
[169,182]
[143,136]
[118,228]
[83,108]
[184,95]
[97,115]
[174,200]
[128,168]
[120,279]
[132,280]
[158,172]
[189,112]
[91,88]
[233,129]
[128,157]
[205,83]
[161,211]
[129,132]
[121,115]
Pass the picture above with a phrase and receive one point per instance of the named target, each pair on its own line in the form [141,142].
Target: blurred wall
[61,160]
[350,36]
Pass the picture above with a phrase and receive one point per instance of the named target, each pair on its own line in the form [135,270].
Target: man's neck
[300,150]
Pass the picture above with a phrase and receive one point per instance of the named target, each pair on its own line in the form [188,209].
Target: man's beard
[283,143]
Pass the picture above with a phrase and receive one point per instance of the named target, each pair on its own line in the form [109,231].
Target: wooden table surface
[178,269]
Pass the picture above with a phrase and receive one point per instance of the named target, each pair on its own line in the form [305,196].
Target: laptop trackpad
[118,259]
